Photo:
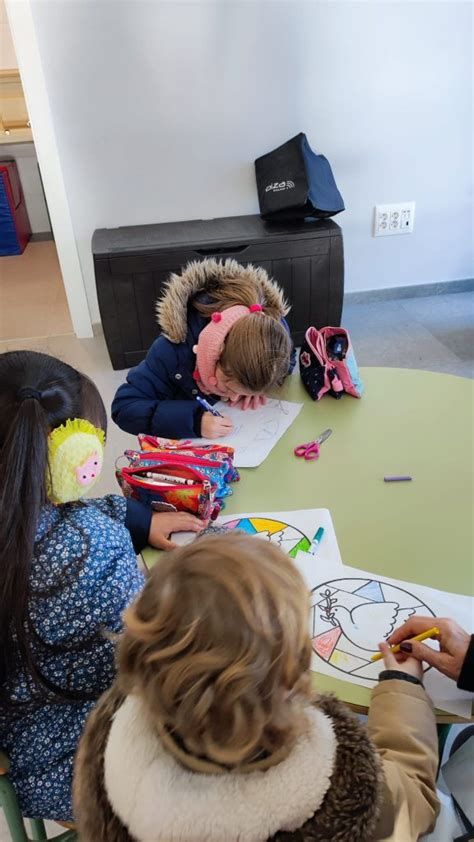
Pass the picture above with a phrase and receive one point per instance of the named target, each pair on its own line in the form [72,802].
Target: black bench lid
[199,233]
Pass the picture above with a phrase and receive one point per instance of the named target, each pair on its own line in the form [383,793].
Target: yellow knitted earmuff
[76,456]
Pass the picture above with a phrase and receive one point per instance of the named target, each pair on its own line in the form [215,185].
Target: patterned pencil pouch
[169,486]
[328,364]
[177,476]
[214,460]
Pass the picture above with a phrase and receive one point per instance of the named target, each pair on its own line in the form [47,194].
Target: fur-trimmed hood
[129,786]
[205,276]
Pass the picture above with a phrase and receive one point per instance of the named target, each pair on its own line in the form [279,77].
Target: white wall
[161,107]
[27,163]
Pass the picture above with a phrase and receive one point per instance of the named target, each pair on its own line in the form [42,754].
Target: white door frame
[20,16]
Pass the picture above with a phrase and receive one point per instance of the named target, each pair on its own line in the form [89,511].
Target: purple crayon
[397,479]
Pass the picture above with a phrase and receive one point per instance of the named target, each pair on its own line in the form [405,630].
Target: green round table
[407,422]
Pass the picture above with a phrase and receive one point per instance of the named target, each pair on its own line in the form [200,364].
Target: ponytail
[27,415]
[23,465]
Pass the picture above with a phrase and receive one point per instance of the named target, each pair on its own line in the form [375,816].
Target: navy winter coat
[159,396]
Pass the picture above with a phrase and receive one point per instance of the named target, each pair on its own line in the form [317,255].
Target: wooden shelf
[14,119]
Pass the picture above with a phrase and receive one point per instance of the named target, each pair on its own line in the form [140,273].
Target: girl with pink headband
[223,335]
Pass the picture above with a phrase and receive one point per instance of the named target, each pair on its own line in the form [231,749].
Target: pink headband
[212,338]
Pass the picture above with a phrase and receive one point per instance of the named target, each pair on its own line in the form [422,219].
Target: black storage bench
[132,264]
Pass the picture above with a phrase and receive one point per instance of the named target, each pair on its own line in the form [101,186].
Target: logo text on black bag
[277,186]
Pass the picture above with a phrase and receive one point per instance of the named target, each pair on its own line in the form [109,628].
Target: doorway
[33,301]
[56,247]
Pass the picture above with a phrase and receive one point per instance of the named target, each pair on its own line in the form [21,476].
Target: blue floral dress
[84,574]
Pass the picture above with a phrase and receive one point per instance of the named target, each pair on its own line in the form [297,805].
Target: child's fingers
[410,666]
[388,657]
[242,402]
[226,425]
[187,523]
[400,657]
[163,543]
[213,425]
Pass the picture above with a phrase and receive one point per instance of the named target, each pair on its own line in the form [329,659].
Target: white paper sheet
[256,431]
[293,531]
[352,611]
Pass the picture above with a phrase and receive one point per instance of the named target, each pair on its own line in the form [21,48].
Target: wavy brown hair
[217,647]
[257,350]
[257,353]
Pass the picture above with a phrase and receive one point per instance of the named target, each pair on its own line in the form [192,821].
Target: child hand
[249,401]
[213,426]
[164,523]
[411,666]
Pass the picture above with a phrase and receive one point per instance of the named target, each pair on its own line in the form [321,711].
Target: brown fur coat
[386,794]
[207,276]
[348,813]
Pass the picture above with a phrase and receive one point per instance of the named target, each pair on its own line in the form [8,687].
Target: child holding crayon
[212,731]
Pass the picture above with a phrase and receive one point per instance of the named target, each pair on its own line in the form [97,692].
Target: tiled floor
[434,333]
[32,297]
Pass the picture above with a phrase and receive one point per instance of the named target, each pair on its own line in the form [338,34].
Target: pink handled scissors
[311,450]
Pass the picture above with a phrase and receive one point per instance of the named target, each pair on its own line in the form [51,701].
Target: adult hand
[215,426]
[453,640]
[163,524]
[411,666]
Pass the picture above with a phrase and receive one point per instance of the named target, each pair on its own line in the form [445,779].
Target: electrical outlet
[394,219]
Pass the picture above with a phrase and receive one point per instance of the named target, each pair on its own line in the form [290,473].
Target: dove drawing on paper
[352,610]
[370,622]
[350,616]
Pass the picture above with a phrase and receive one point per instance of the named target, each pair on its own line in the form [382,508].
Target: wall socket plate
[398,218]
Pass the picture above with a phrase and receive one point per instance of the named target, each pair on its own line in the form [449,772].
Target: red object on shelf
[15,229]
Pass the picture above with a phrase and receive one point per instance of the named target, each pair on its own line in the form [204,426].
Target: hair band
[27,394]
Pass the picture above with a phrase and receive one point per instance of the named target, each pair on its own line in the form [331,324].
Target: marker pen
[316,541]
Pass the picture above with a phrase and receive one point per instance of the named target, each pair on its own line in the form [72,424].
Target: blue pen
[207,406]
[316,540]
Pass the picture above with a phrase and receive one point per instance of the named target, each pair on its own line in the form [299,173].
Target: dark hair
[37,394]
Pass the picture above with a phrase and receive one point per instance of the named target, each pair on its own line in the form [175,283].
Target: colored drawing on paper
[289,538]
[349,617]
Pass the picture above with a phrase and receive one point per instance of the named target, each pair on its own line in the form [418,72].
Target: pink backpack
[328,365]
